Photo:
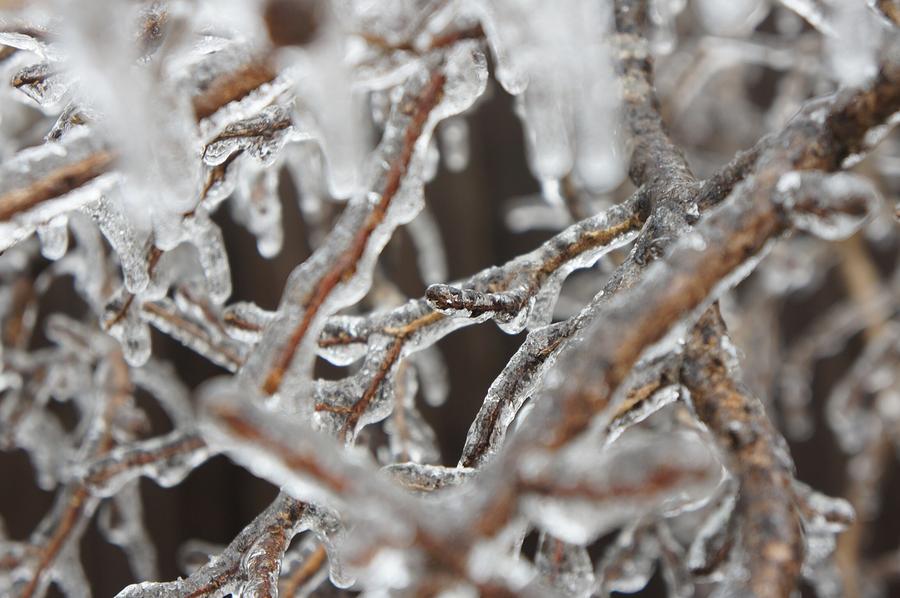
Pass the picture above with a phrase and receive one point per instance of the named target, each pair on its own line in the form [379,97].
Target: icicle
[663,14]
[823,518]
[565,567]
[499,559]
[410,436]
[430,256]
[730,18]
[129,244]
[532,212]
[433,376]
[298,560]
[206,236]
[54,237]
[629,563]
[600,160]
[324,87]
[556,62]
[454,135]
[548,134]
[712,540]
[305,164]
[329,530]
[259,208]
[853,49]
[87,261]
[814,12]
[123,322]
[120,520]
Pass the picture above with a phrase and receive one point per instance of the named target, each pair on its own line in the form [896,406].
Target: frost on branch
[680,334]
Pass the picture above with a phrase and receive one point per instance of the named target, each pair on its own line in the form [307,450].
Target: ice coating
[167,460]
[524,374]
[535,279]
[261,136]
[195,330]
[414,328]
[366,224]
[427,478]
[619,486]
[258,555]
[830,206]
[81,156]
[126,128]
[44,84]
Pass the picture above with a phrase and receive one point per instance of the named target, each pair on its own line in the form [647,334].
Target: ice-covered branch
[34,563]
[251,563]
[771,543]
[659,308]
[324,283]
[676,199]
[134,137]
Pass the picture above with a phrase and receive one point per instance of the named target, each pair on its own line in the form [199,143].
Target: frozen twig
[628,416]
[757,456]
